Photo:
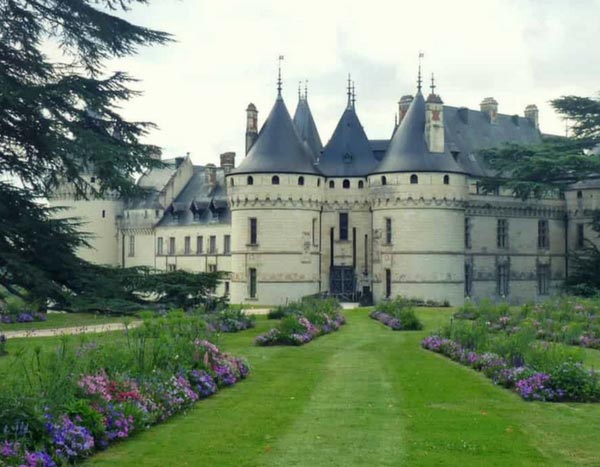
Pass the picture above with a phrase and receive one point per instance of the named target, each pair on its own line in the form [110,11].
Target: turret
[403,106]
[434,121]
[251,126]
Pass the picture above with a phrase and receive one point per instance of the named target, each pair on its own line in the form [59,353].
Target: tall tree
[58,120]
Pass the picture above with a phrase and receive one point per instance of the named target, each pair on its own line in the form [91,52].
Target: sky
[225,56]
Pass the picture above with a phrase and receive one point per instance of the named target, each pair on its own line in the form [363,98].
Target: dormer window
[301,181]
[275,180]
[250,180]
[384,180]
[346,184]
[414,179]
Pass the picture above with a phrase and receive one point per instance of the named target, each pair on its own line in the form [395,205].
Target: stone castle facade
[403,216]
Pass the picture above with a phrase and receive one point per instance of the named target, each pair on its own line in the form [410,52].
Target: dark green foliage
[59,121]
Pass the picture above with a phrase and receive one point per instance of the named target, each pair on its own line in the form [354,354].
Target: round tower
[275,199]
[417,195]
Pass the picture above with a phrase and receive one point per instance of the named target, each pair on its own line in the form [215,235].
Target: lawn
[365,395]
[64,320]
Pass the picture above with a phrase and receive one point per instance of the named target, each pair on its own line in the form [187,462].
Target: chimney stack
[251,126]
[210,171]
[228,162]
[434,121]
[489,106]
[403,106]
[533,114]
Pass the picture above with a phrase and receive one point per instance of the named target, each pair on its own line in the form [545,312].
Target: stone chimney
[251,126]
[533,114]
[489,106]
[403,106]
[228,162]
[434,121]
[210,171]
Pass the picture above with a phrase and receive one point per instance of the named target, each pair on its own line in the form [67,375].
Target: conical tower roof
[306,128]
[278,147]
[348,153]
[408,152]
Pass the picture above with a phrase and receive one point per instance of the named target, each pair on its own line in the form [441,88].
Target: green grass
[64,320]
[364,396]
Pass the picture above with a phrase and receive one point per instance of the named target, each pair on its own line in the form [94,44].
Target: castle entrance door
[342,283]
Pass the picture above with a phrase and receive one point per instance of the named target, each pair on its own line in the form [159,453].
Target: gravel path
[93,328]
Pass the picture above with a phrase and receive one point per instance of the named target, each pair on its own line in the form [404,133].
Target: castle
[403,216]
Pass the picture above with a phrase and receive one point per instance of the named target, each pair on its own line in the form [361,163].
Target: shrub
[397,314]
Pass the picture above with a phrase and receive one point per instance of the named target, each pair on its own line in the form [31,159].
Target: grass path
[365,396]
[64,320]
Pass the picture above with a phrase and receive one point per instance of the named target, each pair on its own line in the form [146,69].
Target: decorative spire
[349,91]
[299,90]
[305,89]
[419,79]
[432,84]
[353,94]
[280,59]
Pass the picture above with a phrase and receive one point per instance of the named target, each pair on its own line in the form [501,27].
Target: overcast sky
[518,51]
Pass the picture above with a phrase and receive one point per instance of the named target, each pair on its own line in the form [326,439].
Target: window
[361,184]
[543,234]
[231,182]
[187,245]
[388,283]
[212,268]
[199,244]
[579,195]
[388,230]
[580,236]
[103,214]
[131,245]
[346,184]
[250,180]
[93,180]
[414,179]
[331,184]
[156,213]
[502,233]
[275,180]
[301,181]
[343,226]
[543,279]
[383,180]
[227,245]
[159,246]
[252,284]
[468,279]
[502,278]
[212,245]
[314,232]
[446,179]
[171,245]
[226,287]
[253,231]
[172,267]
[467,232]
[318,182]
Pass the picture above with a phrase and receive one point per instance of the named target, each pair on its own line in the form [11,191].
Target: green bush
[578,383]
[402,309]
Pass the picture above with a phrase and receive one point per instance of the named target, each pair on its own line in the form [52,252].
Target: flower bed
[22,317]
[397,314]
[230,320]
[71,415]
[302,322]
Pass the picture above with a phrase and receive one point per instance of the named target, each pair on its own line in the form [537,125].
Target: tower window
[502,278]
[414,179]
[131,245]
[253,231]
[361,184]
[250,180]
[331,184]
[343,226]
[467,232]
[212,244]
[446,179]
[227,245]
[388,230]
[580,236]
[300,181]
[579,195]
[314,232]
[543,234]
[252,285]
[388,283]
[383,180]
[171,245]
[275,180]
[318,182]
[543,277]
[199,244]
[346,184]
[103,213]
[231,182]
[187,245]
[226,287]
[502,233]
[159,246]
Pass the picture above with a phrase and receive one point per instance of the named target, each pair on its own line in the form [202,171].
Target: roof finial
[349,91]
[299,90]
[419,80]
[280,59]
[432,84]
[353,94]
[305,89]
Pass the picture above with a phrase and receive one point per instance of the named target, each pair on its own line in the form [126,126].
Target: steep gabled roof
[408,152]
[278,147]
[348,153]
[306,127]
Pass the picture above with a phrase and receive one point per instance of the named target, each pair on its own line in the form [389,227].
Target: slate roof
[408,152]
[198,202]
[278,147]
[348,153]
[306,128]
[154,181]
